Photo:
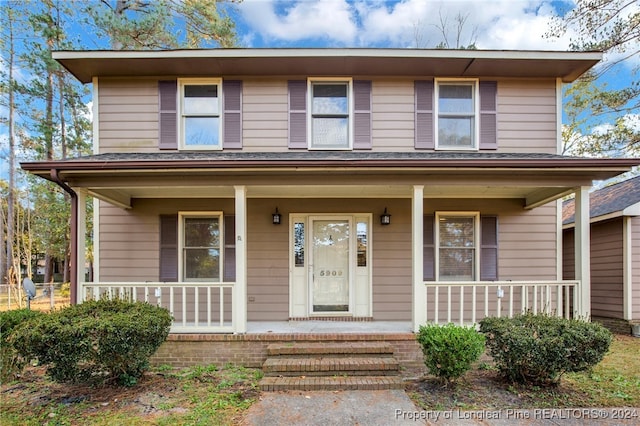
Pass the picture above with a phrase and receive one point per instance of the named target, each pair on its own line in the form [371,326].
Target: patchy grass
[200,395]
[615,382]
[40,303]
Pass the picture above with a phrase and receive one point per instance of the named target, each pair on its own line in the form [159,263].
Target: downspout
[73,243]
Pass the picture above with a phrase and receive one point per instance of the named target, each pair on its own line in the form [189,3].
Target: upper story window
[200,114]
[331,114]
[457,114]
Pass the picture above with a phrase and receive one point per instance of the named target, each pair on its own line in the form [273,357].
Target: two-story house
[271,191]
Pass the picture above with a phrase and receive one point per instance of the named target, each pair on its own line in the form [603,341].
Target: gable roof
[620,199]
[568,66]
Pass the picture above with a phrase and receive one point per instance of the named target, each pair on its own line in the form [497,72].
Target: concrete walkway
[394,407]
[322,408]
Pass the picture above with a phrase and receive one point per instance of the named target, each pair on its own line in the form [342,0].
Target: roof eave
[568,66]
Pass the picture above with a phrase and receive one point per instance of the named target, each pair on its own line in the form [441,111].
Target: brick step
[327,366]
[331,383]
[320,348]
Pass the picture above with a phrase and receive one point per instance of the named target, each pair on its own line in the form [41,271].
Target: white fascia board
[288,52]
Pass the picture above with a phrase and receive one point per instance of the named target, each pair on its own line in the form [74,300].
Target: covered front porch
[358,186]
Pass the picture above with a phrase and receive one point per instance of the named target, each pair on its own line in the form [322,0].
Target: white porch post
[627,271]
[240,289]
[582,303]
[419,291]
[81,243]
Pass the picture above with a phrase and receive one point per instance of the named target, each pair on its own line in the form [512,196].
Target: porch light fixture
[276,217]
[385,218]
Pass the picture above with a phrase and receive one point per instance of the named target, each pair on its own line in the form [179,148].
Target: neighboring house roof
[568,66]
[620,199]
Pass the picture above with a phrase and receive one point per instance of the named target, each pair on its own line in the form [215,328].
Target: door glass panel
[330,266]
[362,243]
[298,244]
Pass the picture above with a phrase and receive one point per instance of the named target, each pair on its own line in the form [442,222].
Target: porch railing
[195,307]
[466,302]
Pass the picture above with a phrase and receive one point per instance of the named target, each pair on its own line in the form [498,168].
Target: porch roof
[535,178]
[329,62]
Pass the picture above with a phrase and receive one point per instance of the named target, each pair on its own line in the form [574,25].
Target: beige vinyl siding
[267,261]
[130,239]
[526,239]
[635,237]
[520,257]
[264,115]
[268,256]
[393,115]
[607,269]
[391,262]
[527,116]
[129,245]
[606,266]
[128,117]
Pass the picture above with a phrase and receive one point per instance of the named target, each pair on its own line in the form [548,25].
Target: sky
[488,24]
[493,24]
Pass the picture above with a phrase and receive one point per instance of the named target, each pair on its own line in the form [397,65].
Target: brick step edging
[331,383]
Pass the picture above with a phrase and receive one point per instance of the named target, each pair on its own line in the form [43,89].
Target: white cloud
[330,20]
[632,121]
[493,24]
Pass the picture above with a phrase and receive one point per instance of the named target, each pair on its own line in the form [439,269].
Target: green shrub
[97,341]
[11,363]
[539,349]
[450,350]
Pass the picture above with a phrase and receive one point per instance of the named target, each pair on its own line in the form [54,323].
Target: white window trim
[350,103]
[199,214]
[476,235]
[181,142]
[476,106]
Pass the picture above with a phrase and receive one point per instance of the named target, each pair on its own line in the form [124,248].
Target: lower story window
[457,246]
[200,240]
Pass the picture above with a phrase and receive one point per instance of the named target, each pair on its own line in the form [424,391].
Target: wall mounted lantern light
[385,218]
[276,217]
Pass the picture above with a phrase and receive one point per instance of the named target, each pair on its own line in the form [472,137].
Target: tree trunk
[48,268]
[11,222]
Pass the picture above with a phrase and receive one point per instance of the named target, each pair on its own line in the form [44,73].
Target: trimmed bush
[101,341]
[539,349]
[450,350]
[11,363]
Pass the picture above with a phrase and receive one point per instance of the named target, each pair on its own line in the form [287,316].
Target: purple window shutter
[298,114]
[229,249]
[232,106]
[488,248]
[169,248]
[168,114]
[362,114]
[488,115]
[428,249]
[424,138]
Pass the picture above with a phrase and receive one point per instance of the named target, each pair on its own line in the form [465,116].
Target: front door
[330,265]
[330,280]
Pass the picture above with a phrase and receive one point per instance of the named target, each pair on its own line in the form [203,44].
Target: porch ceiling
[531,196]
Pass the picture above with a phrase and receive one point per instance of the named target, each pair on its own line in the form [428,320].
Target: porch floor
[305,327]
